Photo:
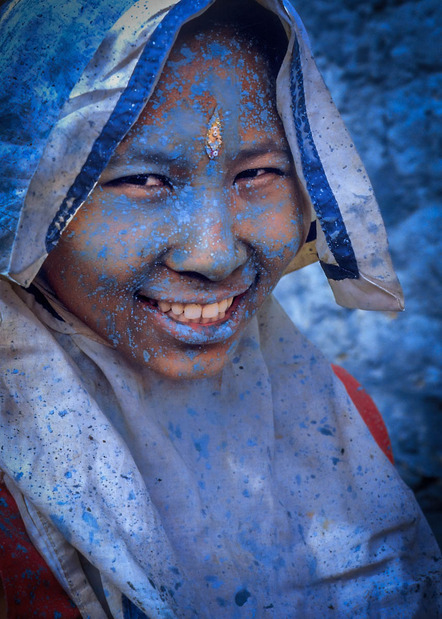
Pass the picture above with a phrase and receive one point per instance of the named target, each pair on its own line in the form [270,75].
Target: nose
[207,240]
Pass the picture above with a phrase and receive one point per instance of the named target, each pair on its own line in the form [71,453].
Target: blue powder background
[382,63]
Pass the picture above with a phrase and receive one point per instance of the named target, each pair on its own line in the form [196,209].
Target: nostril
[194,275]
[211,276]
[206,263]
[201,279]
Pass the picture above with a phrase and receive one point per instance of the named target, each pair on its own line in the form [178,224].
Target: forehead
[208,57]
[216,69]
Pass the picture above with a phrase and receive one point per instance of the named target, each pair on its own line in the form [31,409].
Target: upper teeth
[196,311]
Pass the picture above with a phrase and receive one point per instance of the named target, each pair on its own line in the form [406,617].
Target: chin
[190,365]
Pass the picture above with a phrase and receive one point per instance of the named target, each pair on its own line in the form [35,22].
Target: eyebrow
[140,157]
[263,148]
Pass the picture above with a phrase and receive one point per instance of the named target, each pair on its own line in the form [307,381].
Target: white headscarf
[108,98]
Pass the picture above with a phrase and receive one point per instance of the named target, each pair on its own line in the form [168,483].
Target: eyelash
[253,173]
[138,179]
[141,179]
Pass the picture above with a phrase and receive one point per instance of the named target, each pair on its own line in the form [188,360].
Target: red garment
[367,409]
[30,587]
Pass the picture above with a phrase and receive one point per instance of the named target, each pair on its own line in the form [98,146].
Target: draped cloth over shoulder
[61,133]
[260,491]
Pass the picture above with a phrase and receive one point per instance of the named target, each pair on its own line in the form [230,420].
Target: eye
[258,174]
[141,180]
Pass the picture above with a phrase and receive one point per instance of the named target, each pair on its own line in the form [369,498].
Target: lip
[168,285]
[195,333]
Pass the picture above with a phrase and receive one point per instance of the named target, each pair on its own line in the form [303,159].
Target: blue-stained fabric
[45,46]
[322,197]
[49,168]
[258,489]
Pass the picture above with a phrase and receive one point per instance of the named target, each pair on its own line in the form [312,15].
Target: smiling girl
[171,444]
[198,240]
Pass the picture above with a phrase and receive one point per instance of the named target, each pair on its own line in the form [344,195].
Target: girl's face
[174,251]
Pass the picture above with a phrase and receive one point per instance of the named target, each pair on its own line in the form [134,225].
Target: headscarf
[260,491]
[64,124]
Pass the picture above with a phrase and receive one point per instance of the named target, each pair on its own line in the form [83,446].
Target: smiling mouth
[195,313]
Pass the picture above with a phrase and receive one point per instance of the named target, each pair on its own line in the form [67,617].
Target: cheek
[275,232]
[116,251]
